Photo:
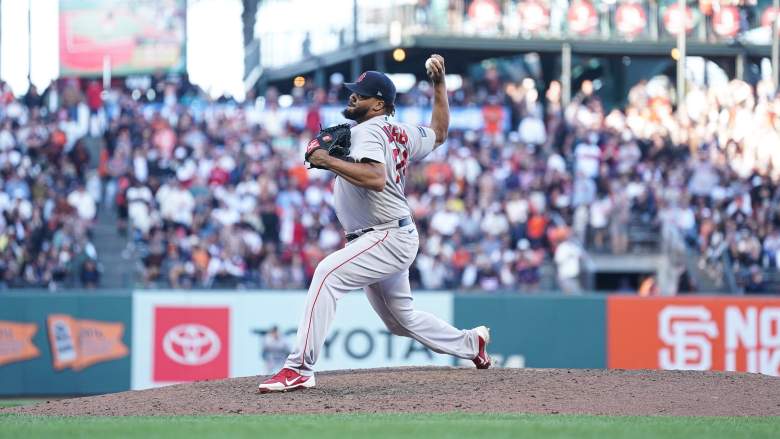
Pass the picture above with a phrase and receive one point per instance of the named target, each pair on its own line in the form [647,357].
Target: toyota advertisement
[185,336]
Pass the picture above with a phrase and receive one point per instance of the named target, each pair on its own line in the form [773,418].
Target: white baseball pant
[378,262]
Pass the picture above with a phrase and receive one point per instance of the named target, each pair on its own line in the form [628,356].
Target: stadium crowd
[47,206]
[215,194]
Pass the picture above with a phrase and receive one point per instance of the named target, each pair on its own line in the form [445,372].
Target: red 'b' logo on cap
[362,76]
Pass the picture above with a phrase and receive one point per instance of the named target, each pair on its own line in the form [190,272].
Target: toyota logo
[191,344]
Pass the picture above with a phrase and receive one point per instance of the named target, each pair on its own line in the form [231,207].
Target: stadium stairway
[117,270]
[547,281]
[707,279]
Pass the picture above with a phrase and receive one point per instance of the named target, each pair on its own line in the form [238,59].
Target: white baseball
[429,65]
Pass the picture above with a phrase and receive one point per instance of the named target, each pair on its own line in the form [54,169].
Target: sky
[214,44]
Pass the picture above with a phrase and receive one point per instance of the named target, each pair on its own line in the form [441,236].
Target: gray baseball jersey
[395,145]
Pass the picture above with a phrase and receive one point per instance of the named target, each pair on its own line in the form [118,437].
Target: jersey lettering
[396,134]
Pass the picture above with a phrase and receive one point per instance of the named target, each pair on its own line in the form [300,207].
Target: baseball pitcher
[370,162]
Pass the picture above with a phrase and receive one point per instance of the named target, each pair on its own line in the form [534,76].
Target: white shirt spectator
[494,222]
[7,140]
[587,159]
[556,163]
[445,222]
[584,191]
[599,212]
[685,218]
[628,156]
[538,201]
[176,204]
[704,178]
[432,272]
[532,131]
[517,210]
[82,201]
[330,238]
[226,216]
[464,166]
[314,196]
[5,202]
[24,207]
[140,168]
[139,199]
[567,259]
[252,240]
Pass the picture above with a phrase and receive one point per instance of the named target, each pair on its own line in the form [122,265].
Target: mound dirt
[577,391]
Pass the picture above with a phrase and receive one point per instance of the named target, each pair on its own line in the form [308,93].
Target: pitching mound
[607,392]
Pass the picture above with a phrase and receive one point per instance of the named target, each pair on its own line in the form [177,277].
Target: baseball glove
[335,140]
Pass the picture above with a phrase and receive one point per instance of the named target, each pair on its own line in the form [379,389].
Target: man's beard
[355,113]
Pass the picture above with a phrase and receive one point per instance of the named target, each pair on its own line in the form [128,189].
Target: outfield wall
[64,343]
[86,343]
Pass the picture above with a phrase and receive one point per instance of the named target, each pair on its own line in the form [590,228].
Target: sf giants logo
[400,155]
[687,331]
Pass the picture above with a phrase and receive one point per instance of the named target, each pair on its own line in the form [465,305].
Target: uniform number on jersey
[401,158]
[400,155]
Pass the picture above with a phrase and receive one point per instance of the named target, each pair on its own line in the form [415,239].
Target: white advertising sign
[187,336]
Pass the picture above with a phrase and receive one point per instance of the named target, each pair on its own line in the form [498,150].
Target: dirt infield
[589,391]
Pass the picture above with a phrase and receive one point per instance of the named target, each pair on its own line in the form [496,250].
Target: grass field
[427,426]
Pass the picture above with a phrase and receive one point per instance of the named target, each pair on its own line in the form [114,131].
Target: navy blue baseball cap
[374,84]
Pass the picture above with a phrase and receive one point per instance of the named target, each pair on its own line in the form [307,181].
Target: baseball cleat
[286,379]
[482,360]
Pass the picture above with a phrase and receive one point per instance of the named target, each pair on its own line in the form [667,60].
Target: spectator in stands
[216,195]
[568,258]
[90,276]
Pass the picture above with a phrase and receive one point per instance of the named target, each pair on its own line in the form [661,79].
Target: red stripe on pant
[311,315]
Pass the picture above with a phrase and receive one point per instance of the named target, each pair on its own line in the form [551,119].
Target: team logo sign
[582,17]
[687,333]
[485,14]
[190,343]
[78,344]
[16,342]
[534,16]
[630,19]
[768,17]
[676,19]
[694,334]
[725,21]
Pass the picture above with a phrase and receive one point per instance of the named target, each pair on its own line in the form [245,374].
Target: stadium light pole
[355,65]
[29,43]
[681,51]
[775,43]
[1,36]
[565,74]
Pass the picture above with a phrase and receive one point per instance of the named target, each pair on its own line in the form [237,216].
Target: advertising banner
[551,331]
[186,336]
[129,37]
[696,333]
[16,341]
[64,343]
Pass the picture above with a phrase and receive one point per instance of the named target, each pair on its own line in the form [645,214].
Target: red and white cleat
[482,360]
[284,380]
